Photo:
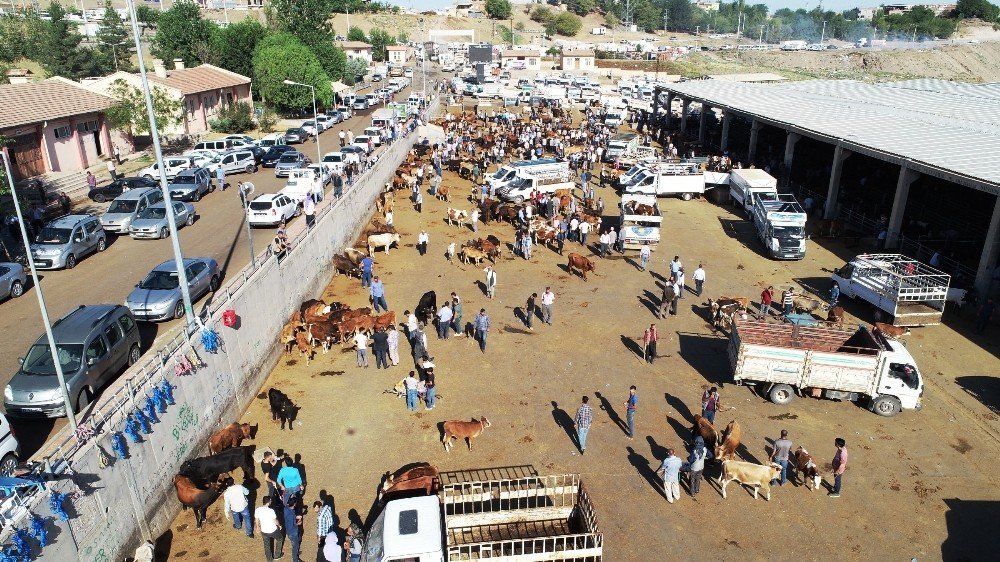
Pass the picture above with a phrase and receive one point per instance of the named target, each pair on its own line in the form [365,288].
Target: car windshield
[159,281]
[260,205]
[39,359]
[153,213]
[50,235]
[289,158]
[182,178]
[333,158]
[123,206]
[794,232]
[292,131]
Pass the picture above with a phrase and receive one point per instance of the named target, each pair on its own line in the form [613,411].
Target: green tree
[19,36]
[128,112]
[182,34]
[680,14]
[981,9]
[306,19]
[581,7]
[355,69]
[146,17]
[403,38]
[234,118]
[611,20]
[114,39]
[541,14]
[61,53]
[380,39]
[355,33]
[564,24]
[498,9]
[233,46]
[283,57]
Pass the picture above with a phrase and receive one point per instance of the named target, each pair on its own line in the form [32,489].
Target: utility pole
[822,36]
[760,37]
[697,29]
[666,18]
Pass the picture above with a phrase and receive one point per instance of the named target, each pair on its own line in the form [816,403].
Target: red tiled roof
[200,79]
[24,104]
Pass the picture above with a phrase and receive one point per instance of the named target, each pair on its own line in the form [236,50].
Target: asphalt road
[108,277]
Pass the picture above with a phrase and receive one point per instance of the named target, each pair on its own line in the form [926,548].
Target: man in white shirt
[270,530]
[604,244]
[361,340]
[410,382]
[444,321]
[422,239]
[236,502]
[644,256]
[584,231]
[675,266]
[548,299]
[574,228]
[699,279]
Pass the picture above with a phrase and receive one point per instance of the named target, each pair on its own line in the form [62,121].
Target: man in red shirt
[766,296]
[839,465]
[649,338]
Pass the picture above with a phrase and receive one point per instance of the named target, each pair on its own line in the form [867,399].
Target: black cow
[207,469]
[427,307]
[282,408]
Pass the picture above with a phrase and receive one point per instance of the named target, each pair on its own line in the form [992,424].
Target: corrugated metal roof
[944,128]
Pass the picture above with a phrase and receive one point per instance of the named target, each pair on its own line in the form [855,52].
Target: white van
[544,167]
[274,139]
[218,146]
[382,118]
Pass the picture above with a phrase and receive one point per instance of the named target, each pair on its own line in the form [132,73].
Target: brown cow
[890,331]
[228,437]
[704,428]
[576,261]
[749,474]
[338,316]
[304,341]
[729,441]
[287,337]
[313,310]
[325,334]
[836,315]
[443,193]
[385,320]
[472,255]
[805,466]
[354,255]
[198,499]
[423,479]
[342,264]
[361,323]
[456,429]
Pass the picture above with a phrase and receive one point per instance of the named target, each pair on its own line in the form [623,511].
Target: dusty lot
[919,485]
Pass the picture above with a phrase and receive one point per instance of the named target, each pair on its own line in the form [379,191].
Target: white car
[309,127]
[334,161]
[448,68]
[270,209]
[375,133]
[173,165]
[324,173]
[202,158]
[408,73]
[362,141]
[10,450]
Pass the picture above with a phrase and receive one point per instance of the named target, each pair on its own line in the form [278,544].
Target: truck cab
[620,145]
[407,530]
[744,183]
[637,229]
[546,167]
[780,222]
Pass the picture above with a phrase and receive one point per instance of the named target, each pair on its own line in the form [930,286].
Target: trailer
[637,230]
[781,224]
[668,178]
[527,519]
[863,366]
[910,292]
[745,183]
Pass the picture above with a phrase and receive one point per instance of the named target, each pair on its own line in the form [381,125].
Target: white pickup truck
[685,180]
[825,362]
[910,292]
[527,519]
[302,182]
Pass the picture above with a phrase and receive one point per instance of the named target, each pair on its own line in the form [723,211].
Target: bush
[498,9]
[234,118]
[564,24]
[267,121]
[541,14]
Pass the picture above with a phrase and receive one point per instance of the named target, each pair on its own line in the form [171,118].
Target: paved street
[219,233]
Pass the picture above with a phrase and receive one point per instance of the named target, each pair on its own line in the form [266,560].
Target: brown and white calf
[749,474]
[456,429]
[806,467]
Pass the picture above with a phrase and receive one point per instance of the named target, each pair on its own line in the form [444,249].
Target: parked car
[94,343]
[190,185]
[172,164]
[325,121]
[345,112]
[236,161]
[273,139]
[245,140]
[152,222]
[310,127]
[353,152]
[125,207]
[362,141]
[103,193]
[158,296]
[323,172]
[273,154]
[296,135]
[408,73]
[201,158]
[10,449]
[12,280]
[270,209]
[217,146]
[288,162]
[334,161]
[377,77]
[62,242]
[360,104]
[376,134]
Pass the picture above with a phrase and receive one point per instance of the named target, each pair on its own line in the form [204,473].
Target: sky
[837,5]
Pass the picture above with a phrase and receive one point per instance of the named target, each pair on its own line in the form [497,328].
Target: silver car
[191,184]
[158,296]
[67,239]
[152,222]
[12,280]
[289,161]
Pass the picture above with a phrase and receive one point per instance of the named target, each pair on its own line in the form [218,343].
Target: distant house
[462,8]
[55,125]
[357,49]
[577,60]
[203,90]
[707,6]
[521,58]
[398,54]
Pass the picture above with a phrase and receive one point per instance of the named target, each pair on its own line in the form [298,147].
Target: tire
[298,212]
[196,197]
[148,176]
[190,220]
[213,284]
[8,464]
[248,169]
[686,196]
[70,261]
[83,400]
[781,394]
[16,289]
[102,245]
[133,355]
[179,310]
[164,232]
[100,198]
[519,200]
[886,406]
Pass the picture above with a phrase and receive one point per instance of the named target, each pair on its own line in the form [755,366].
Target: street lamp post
[312,90]
[154,133]
[246,189]
[822,36]
[63,389]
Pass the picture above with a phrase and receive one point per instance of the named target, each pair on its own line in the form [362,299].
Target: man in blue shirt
[630,406]
[366,271]
[378,295]
[482,325]
[289,480]
[670,470]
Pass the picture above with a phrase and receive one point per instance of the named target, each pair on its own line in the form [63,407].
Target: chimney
[178,64]
[18,76]
[159,68]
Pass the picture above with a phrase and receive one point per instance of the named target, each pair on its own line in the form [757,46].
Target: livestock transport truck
[637,230]
[527,519]
[747,182]
[863,366]
[781,225]
[910,292]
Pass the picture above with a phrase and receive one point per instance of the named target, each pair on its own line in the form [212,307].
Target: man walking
[270,530]
[766,297]
[410,382]
[112,169]
[604,244]
[367,263]
[839,466]
[699,279]
[649,339]
[456,309]
[491,282]
[361,341]
[392,342]
[612,239]
[529,310]
[581,423]
[380,347]
[309,208]
[548,299]
[220,178]
[343,138]
[670,470]
[482,325]
[235,499]
[422,239]
[666,299]
[324,521]
[675,265]
[378,296]
[787,300]
[710,402]
[526,245]
[782,447]
[584,231]
[644,256]
[630,405]
[696,464]
[444,321]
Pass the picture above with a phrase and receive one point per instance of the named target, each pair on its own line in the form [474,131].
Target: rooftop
[943,129]
[396,48]
[55,98]
[354,45]
[579,53]
[200,79]
[520,53]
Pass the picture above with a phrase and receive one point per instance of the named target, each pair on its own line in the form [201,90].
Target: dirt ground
[918,485]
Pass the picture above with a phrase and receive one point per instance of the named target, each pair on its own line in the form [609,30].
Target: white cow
[749,474]
[381,240]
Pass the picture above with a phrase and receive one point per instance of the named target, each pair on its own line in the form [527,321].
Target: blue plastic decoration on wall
[143,422]
[118,444]
[160,399]
[39,531]
[150,410]
[56,505]
[132,429]
[210,339]
[168,391]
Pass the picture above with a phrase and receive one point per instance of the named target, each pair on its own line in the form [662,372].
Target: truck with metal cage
[911,293]
[862,366]
[781,225]
[526,519]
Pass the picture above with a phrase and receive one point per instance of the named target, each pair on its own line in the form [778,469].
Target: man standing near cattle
[699,279]
[444,321]
[548,300]
[491,282]
[482,326]
[839,466]
[630,406]
[270,530]
[581,423]
[782,448]
[710,403]
[367,263]
[235,499]
[696,465]
[456,308]
[649,339]
[378,296]
[670,470]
